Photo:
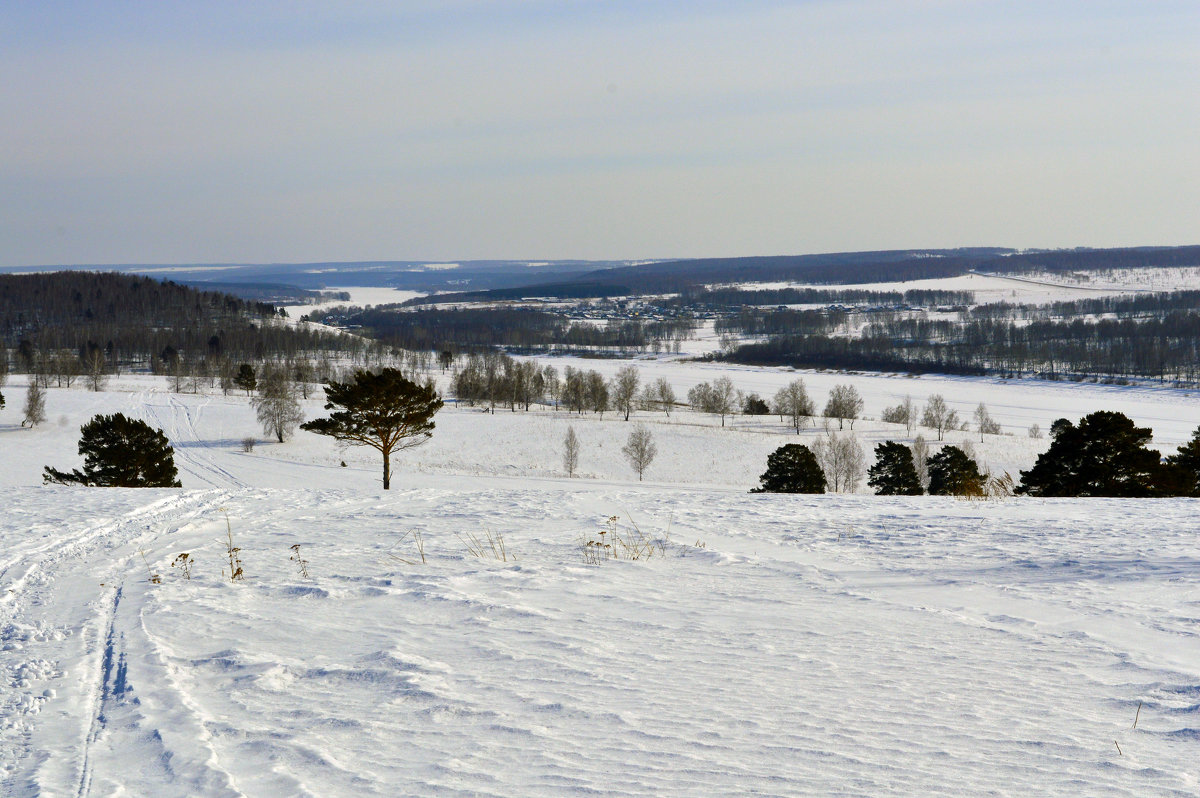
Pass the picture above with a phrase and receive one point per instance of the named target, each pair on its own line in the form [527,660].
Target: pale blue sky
[304,131]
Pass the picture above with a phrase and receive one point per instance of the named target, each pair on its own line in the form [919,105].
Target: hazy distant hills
[428,276]
[837,268]
[509,279]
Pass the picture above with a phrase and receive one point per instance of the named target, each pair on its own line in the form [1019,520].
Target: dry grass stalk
[491,547]
[155,579]
[418,542]
[299,560]
[184,562]
[614,543]
[992,488]
[235,562]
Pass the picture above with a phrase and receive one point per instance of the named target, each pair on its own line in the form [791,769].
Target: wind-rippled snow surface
[820,645]
[771,645]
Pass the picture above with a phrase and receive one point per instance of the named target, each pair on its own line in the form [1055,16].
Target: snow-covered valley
[770,645]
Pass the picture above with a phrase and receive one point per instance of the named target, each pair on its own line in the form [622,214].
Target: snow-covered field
[774,645]
[1167,278]
[1034,288]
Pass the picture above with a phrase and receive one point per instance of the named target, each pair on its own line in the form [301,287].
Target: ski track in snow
[776,659]
[194,455]
[62,586]
[781,645]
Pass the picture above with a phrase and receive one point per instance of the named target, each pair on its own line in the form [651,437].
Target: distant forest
[1154,337]
[848,268]
[816,296]
[78,322]
[533,329]
[522,329]
[112,321]
[265,293]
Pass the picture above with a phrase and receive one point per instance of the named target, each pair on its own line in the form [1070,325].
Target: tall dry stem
[492,546]
[235,561]
[418,541]
[154,578]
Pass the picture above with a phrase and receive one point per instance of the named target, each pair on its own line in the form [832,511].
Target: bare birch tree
[904,413]
[844,404]
[624,390]
[276,404]
[792,402]
[920,452]
[570,452]
[662,394]
[938,416]
[35,404]
[842,459]
[640,450]
[987,425]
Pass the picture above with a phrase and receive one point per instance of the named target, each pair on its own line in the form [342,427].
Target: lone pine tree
[383,410]
[246,379]
[120,452]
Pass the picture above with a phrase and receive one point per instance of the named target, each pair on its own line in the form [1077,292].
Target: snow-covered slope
[1033,288]
[773,645]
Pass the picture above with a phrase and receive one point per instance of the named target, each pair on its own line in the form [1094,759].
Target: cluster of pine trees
[1104,455]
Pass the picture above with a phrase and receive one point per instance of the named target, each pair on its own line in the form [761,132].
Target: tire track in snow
[33,564]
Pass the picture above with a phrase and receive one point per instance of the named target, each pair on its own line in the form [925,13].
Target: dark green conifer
[1105,455]
[894,473]
[953,473]
[792,468]
[120,452]
[385,411]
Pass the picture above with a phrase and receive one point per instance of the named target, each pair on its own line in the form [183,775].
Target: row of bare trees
[496,379]
[939,416]
[524,329]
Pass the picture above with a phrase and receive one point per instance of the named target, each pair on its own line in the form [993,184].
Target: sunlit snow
[772,645]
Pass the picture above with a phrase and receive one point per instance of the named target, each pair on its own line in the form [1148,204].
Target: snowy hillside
[772,645]
[1033,288]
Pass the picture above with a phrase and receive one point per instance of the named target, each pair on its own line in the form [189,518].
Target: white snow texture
[770,645]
